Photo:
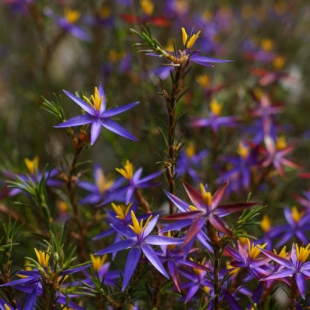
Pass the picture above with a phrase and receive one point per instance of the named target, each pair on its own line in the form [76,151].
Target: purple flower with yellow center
[135,180]
[103,189]
[32,279]
[296,268]
[205,208]
[215,120]
[275,153]
[198,280]
[97,115]
[187,54]
[248,258]
[298,224]
[138,238]
[189,162]
[68,23]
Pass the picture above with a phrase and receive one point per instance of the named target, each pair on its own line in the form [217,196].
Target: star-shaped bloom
[97,115]
[205,207]
[135,180]
[297,267]
[138,238]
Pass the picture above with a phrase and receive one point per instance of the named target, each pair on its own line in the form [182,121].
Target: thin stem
[217,251]
[142,201]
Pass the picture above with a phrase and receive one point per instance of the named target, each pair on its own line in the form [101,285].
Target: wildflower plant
[204,205]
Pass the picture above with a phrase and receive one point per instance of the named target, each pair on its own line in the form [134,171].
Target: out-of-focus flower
[68,23]
[215,120]
[189,162]
[298,224]
[97,115]
[138,238]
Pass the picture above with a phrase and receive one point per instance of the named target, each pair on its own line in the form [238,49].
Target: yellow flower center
[127,172]
[121,210]
[147,7]
[196,270]
[72,16]
[95,100]
[243,151]
[32,165]
[190,150]
[188,43]
[302,253]
[98,261]
[281,143]
[254,249]
[203,80]
[103,184]
[296,216]
[216,107]
[137,227]
[282,253]
[267,45]
[278,62]
[170,246]
[265,223]
[206,196]
[42,257]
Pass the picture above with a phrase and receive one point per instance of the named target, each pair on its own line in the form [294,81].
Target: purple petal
[206,61]
[280,260]
[95,131]
[124,244]
[116,128]
[150,226]
[223,210]
[218,195]
[150,177]
[301,283]
[280,274]
[118,110]
[183,206]
[161,240]
[194,229]
[174,274]
[219,224]
[177,225]
[83,104]
[233,304]
[153,258]
[102,94]
[194,196]
[77,121]
[191,292]
[129,194]
[131,264]
[182,216]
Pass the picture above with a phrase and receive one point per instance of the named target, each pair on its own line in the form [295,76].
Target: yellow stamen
[199,271]
[121,211]
[103,184]
[265,223]
[243,151]
[190,150]
[254,308]
[206,196]
[170,246]
[137,227]
[296,216]
[72,15]
[32,165]
[95,100]
[282,253]
[231,269]
[302,253]
[267,45]
[216,107]
[98,261]
[192,208]
[189,43]
[147,7]
[203,80]
[281,143]
[254,249]
[62,206]
[127,172]
[6,307]
[278,62]
[42,257]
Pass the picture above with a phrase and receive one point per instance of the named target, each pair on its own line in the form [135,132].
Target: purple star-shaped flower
[97,115]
